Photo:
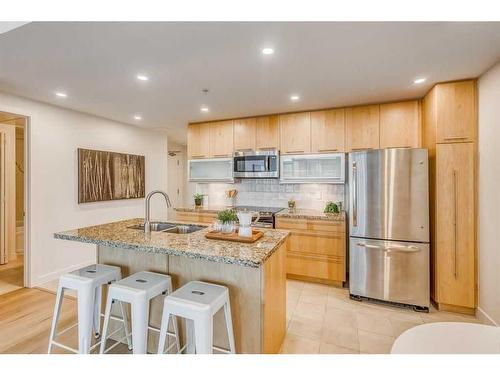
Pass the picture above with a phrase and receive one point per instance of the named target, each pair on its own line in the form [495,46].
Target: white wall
[489,195]
[55,134]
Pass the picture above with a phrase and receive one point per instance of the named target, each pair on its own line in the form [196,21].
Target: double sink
[157,226]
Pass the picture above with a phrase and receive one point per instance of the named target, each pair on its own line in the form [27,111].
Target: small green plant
[198,198]
[226,216]
[331,208]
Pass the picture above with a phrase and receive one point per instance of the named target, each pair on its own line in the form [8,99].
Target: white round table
[449,338]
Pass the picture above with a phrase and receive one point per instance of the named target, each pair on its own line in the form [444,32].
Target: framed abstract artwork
[105,176]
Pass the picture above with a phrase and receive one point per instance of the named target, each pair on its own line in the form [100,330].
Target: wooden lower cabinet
[454,243]
[196,217]
[316,250]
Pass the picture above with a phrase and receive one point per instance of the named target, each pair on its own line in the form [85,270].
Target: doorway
[12,207]
[176,175]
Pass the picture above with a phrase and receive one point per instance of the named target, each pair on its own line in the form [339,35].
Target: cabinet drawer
[316,267]
[317,244]
[196,217]
[312,226]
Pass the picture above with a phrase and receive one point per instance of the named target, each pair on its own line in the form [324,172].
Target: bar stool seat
[138,290]
[198,302]
[87,282]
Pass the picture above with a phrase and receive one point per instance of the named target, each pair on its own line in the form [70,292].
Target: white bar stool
[87,282]
[138,290]
[198,302]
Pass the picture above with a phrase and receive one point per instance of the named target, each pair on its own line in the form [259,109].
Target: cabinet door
[456,112]
[328,131]
[295,133]
[455,225]
[399,125]
[267,132]
[198,137]
[221,139]
[363,127]
[244,134]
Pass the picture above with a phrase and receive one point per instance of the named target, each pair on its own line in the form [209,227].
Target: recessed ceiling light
[267,51]
[138,117]
[294,98]
[204,109]
[61,94]
[419,80]
[142,77]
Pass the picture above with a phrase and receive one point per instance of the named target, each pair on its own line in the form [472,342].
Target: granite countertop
[193,245]
[304,213]
[209,209]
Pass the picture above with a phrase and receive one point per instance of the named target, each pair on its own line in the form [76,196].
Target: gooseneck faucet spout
[147,219]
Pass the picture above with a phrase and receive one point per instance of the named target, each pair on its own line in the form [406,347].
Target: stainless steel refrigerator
[389,225]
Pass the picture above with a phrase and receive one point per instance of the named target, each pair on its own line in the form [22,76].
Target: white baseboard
[485,318]
[55,275]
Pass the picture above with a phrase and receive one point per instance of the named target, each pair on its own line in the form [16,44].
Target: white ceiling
[327,64]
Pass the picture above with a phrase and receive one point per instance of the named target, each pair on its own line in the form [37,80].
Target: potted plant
[227,219]
[331,208]
[198,199]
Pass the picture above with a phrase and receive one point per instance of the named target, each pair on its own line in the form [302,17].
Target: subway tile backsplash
[271,193]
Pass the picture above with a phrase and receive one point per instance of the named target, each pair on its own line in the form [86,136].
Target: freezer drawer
[389,270]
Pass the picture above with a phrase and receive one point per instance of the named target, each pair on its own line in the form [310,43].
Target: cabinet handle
[361,149]
[244,149]
[293,152]
[454,138]
[354,194]
[220,155]
[328,149]
[455,201]
[198,156]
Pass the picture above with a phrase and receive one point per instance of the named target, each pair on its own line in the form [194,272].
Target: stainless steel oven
[256,164]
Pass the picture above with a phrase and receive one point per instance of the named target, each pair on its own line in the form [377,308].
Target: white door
[7,192]
[176,177]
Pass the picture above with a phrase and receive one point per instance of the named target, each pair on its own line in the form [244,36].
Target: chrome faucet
[147,222]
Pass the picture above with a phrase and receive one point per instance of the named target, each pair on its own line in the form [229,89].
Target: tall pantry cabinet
[449,132]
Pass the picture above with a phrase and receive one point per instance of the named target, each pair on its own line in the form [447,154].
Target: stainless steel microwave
[256,164]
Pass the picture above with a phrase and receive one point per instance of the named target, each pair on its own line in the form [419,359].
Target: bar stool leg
[190,345]
[176,332]
[125,324]
[229,326]
[85,318]
[165,319]
[107,314]
[55,317]
[203,334]
[97,312]
[140,321]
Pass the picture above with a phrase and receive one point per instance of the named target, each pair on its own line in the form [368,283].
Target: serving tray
[213,235]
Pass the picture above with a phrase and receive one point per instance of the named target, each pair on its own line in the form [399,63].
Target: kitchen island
[254,273]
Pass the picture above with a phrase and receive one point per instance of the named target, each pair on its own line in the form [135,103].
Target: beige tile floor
[322,319]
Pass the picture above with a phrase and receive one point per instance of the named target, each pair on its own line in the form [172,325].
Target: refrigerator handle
[354,194]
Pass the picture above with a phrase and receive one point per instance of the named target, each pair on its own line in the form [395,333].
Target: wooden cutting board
[213,235]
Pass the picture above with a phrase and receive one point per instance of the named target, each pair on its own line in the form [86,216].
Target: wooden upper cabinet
[363,127]
[328,131]
[267,132]
[221,139]
[454,245]
[456,111]
[244,134]
[295,133]
[400,125]
[198,141]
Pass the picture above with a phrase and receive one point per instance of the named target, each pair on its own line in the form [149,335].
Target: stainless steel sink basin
[169,227]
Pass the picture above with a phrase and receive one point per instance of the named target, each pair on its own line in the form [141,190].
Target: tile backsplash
[271,193]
